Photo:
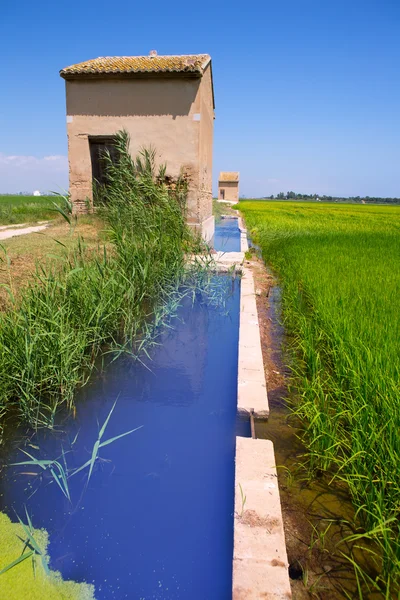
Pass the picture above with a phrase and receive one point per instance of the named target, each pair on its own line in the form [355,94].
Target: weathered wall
[206,144]
[231,189]
[162,112]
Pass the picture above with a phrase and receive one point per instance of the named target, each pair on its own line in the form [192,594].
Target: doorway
[98,146]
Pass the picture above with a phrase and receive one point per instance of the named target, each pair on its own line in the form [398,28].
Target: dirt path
[10,231]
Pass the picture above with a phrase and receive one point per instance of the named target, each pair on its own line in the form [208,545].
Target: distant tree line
[323,198]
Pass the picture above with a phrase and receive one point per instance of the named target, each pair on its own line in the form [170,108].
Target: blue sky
[307,92]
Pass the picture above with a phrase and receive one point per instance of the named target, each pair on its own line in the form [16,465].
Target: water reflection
[227,235]
[155,518]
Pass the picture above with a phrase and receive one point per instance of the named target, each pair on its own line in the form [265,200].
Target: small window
[222,196]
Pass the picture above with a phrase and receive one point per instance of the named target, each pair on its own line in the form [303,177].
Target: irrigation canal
[227,235]
[155,519]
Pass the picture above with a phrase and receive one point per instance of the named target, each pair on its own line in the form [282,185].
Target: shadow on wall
[138,97]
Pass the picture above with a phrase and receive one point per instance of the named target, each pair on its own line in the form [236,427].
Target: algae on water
[22,580]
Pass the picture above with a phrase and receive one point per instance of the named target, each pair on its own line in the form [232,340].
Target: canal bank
[260,565]
[323,536]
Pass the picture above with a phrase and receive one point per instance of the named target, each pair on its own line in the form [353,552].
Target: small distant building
[36,193]
[166,102]
[228,186]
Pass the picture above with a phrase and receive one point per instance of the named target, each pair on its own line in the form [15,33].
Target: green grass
[26,209]
[26,251]
[340,272]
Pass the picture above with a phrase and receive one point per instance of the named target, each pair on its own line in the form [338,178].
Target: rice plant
[243,499]
[339,268]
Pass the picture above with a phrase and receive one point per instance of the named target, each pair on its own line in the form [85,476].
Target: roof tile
[228,176]
[110,65]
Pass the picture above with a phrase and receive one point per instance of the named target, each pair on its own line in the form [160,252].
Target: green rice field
[339,268]
[26,209]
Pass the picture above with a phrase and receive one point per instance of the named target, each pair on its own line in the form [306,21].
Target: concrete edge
[252,388]
[260,564]
[206,228]
[244,244]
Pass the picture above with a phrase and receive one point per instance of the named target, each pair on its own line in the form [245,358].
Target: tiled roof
[130,65]
[226,176]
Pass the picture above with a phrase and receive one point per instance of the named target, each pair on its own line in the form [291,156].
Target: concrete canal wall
[260,565]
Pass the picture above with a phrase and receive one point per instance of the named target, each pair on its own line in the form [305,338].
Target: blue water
[155,520]
[227,235]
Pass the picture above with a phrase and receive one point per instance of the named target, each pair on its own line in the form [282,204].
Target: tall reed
[94,302]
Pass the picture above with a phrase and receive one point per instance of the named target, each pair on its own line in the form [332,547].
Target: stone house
[228,186]
[166,102]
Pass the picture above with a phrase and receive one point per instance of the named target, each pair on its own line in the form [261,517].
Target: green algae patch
[28,579]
